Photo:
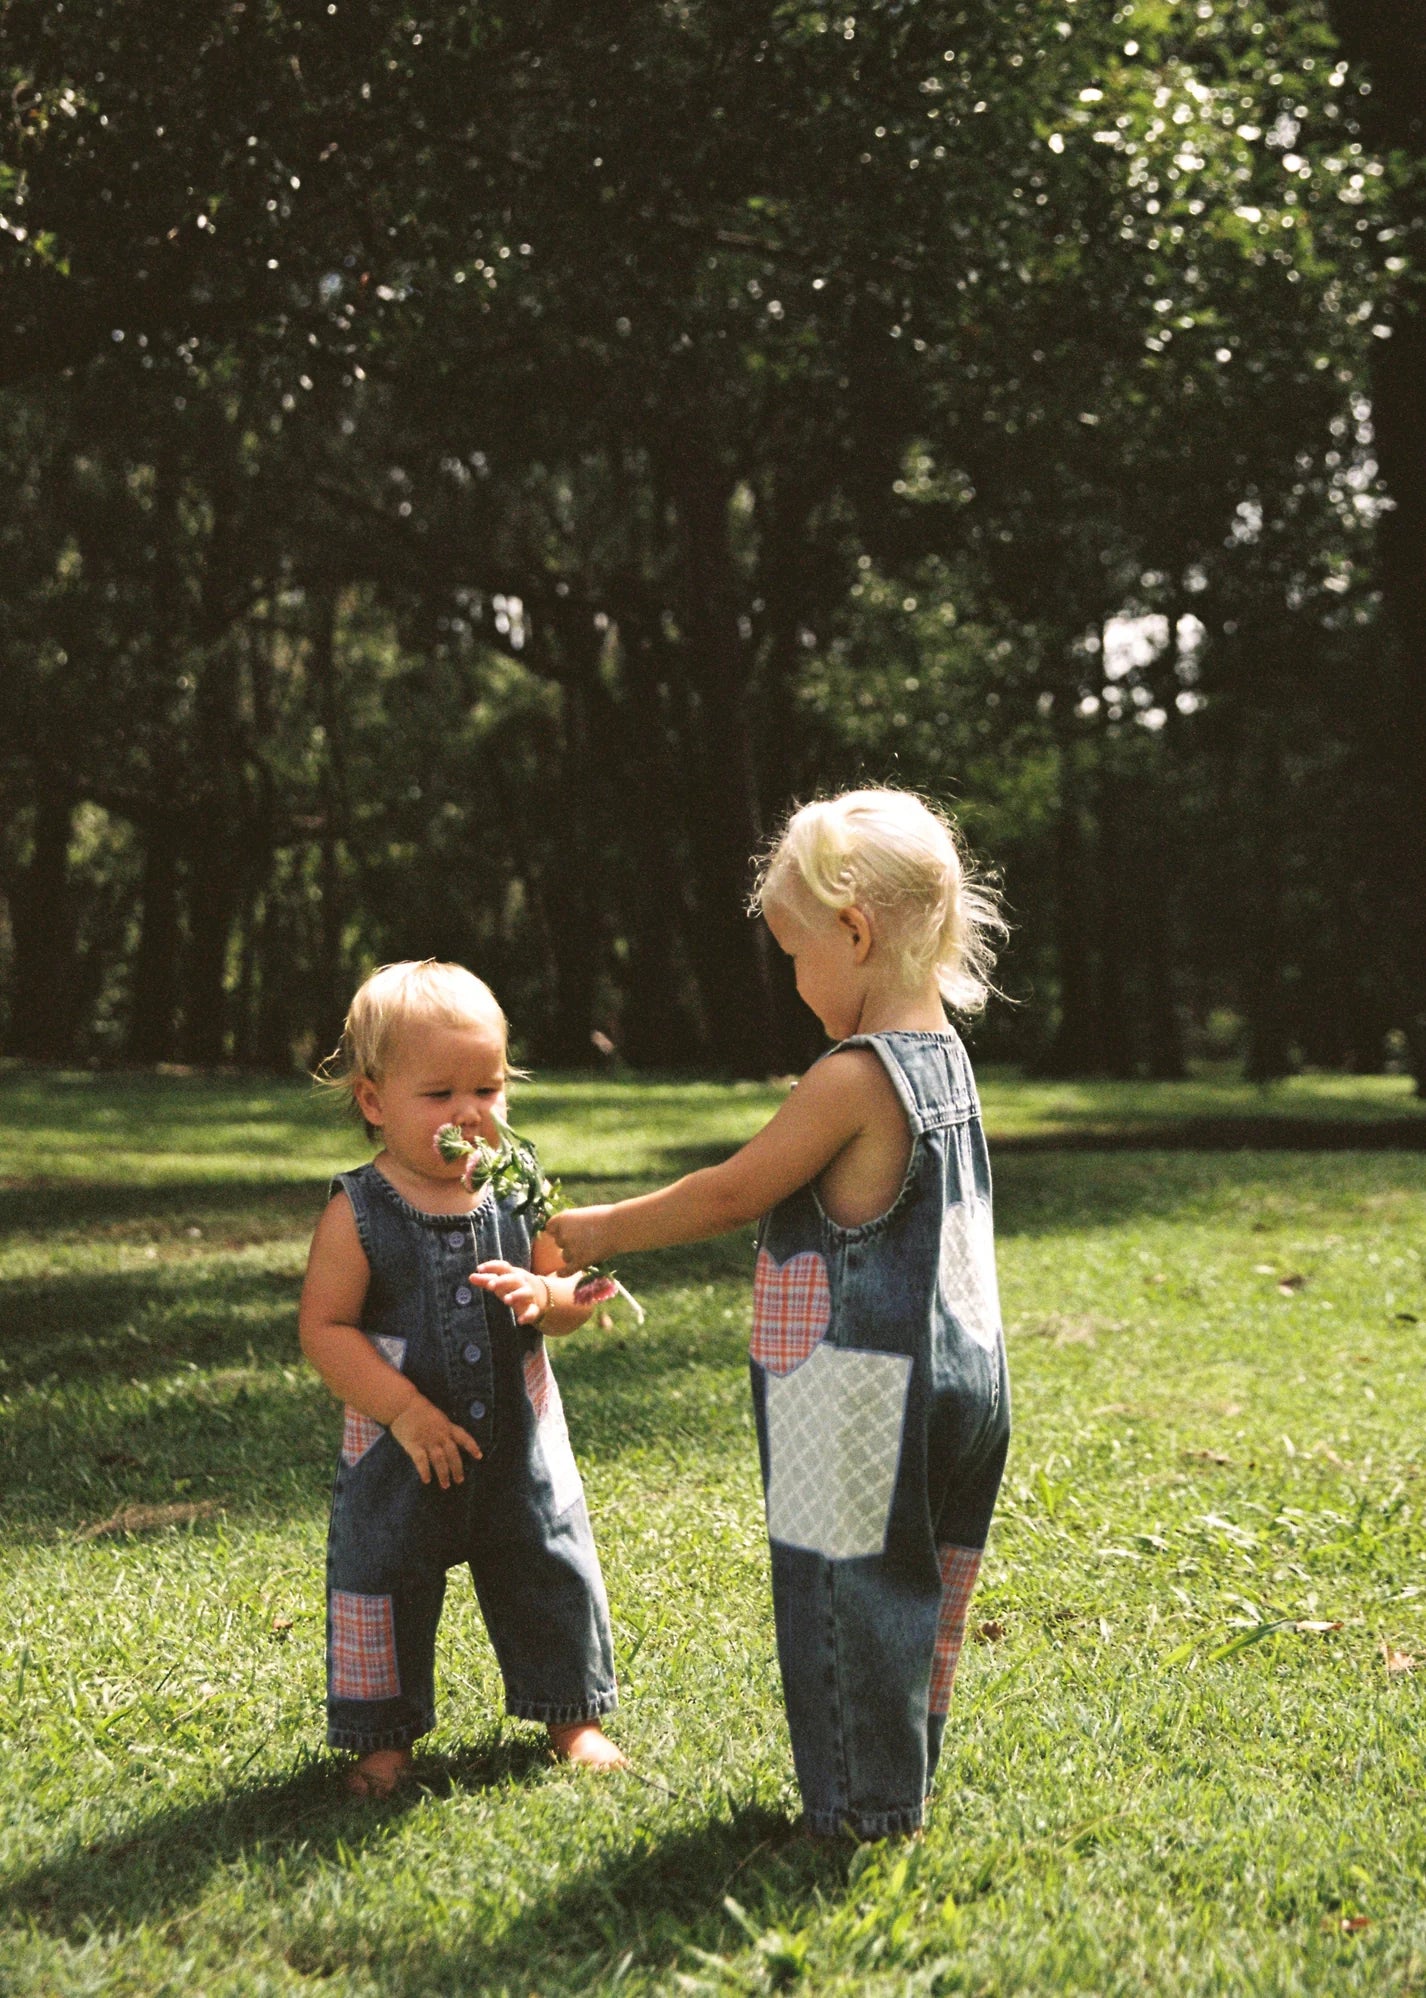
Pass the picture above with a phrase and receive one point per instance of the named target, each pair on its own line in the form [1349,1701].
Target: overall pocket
[834,1428]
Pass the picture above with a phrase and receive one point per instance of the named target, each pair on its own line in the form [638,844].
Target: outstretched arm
[821,1116]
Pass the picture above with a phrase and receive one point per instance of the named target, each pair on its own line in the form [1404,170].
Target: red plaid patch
[358,1435]
[792,1308]
[363,1648]
[538,1380]
[959,1568]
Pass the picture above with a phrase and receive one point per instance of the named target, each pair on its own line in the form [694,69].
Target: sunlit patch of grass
[1184,1753]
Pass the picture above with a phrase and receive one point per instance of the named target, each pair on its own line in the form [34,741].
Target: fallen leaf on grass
[1264,1269]
[281,1625]
[1209,1456]
[1345,1925]
[1290,1285]
[145,1518]
[989,1632]
[1406,1318]
[117,1459]
[1316,1626]
[1398,1663]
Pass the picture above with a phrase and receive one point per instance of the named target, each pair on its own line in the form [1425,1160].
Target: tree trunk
[212,894]
[724,820]
[329,1001]
[1268,1057]
[155,991]
[1115,1052]
[1390,43]
[1163,1034]
[1075,1048]
[42,1020]
[658,1027]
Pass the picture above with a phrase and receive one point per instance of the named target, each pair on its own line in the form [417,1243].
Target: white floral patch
[968,1285]
[834,1441]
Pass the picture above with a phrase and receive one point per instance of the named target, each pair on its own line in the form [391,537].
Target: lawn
[1184,1753]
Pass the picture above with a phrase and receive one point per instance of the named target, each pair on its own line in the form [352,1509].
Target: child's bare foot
[378,1774]
[586,1742]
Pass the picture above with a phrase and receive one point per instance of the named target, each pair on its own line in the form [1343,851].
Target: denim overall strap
[879,1391]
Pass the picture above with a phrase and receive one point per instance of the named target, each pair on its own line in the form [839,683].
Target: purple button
[477,1409]
[456,1237]
[464,1294]
[472,1354]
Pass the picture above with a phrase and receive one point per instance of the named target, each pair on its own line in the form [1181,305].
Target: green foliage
[1177,1758]
[527,434]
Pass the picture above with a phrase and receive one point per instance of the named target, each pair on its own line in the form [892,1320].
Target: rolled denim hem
[554,1714]
[391,1737]
[863,1825]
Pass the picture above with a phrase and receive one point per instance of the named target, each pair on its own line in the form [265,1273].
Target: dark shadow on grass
[80,1208]
[1225,1134]
[231,1422]
[161,1867]
[658,1901]
[658,1905]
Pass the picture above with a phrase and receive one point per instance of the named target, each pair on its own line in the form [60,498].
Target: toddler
[455,1448]
[878,1366]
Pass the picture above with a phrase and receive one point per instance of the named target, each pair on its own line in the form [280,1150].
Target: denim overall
[883,1417]
[519,1519]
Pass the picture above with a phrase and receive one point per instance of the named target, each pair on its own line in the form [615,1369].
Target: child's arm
[823,1114]
[536,1295]
[332,1298]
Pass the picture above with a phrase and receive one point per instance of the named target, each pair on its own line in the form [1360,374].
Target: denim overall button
[472,1354]
[477,1409]
[463,1295]
[456,1237]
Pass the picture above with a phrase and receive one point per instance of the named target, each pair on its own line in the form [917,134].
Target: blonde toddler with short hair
[455,1448]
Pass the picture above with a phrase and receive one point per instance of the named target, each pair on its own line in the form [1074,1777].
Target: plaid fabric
[361,1431]
[363,1648]
[358,1435]
[792,1308]
[538,1380]
[959,1568]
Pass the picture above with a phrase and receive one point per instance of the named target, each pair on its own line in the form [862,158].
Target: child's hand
[580,1235]
[521,1291]
[433,1442]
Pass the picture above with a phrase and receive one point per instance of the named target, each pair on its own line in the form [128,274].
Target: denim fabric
[883,1418]
[518,1521]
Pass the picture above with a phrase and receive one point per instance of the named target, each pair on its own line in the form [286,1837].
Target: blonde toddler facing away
[878,1366]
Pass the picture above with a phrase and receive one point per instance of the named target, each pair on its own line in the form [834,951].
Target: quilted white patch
[834,1439]
[968,1285]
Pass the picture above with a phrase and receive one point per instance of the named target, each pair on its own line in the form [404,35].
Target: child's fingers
[421,1461]
[467,1443]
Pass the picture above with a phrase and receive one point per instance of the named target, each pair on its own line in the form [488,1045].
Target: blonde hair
[388,1002]
[899,857]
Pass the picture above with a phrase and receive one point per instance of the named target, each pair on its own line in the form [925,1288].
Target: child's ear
[857,925]
[368,1099]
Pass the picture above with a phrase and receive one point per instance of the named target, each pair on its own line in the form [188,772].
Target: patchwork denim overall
[883,1417]
[518,1521]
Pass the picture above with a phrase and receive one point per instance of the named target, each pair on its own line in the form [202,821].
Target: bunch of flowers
[513,1170]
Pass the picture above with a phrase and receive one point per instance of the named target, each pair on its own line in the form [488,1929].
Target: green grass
[1153,1778]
